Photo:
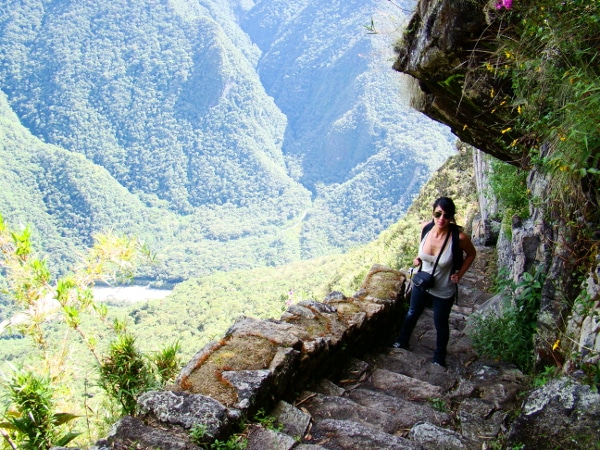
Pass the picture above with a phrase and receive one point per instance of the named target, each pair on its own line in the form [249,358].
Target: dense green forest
[227,135]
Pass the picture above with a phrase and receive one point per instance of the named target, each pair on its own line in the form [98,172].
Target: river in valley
[128,294]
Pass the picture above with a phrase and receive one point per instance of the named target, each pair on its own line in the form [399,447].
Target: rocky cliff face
[444,48]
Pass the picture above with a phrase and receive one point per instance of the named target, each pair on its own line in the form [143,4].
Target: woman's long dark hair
[447,206]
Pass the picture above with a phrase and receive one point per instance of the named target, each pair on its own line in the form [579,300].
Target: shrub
[167,363]
[555,92]
[509,335]
[125,373]
[31,423]
[508,185]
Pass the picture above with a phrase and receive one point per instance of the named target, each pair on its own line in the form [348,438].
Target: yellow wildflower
[556,344]
[506,130]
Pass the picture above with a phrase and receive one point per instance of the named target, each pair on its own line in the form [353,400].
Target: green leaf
[62,418]
[73,318]
[64,440]
[8,426]
[63,286]
[21,425]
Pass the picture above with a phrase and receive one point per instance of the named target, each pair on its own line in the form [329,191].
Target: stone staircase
[324,376]
[398,399]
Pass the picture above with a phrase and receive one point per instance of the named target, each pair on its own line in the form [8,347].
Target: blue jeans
[441,315]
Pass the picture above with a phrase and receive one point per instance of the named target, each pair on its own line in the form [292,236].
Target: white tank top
[442,287]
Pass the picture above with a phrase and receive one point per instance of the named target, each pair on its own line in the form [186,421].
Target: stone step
[323,407]
[394,410]
[406,412]
[400,385]
[432,437]
[336,434]
[416,366]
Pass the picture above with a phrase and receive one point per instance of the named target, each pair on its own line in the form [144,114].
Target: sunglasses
[439,214]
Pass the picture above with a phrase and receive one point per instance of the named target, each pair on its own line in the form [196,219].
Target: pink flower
[504,4]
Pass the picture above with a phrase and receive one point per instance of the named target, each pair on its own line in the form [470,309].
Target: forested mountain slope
[228,134]
[65,195]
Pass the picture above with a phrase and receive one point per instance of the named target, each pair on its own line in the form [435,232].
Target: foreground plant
[508,336]
[125,373]
[42,300]
[167,363]
[549,52]
[31,421]
[199,436]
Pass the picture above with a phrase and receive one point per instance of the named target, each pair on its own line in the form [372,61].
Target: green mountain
[227,134]
[59,192]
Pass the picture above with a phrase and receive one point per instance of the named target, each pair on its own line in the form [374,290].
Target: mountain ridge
[218,131]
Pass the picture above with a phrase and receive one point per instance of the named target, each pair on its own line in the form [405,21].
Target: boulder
[561,414]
